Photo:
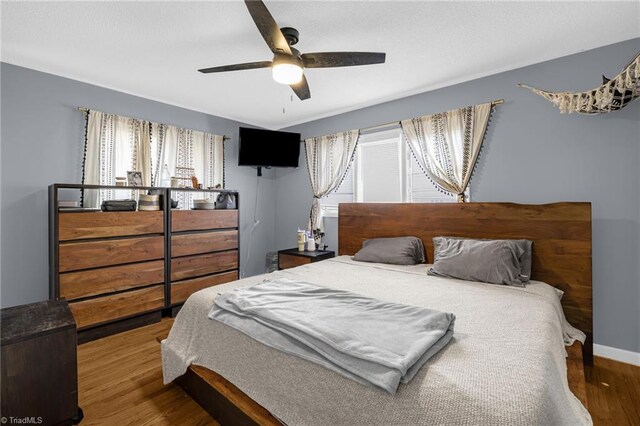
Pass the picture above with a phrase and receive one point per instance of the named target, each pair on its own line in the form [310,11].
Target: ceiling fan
[288,64]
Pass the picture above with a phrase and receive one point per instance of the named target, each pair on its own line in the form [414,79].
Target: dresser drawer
[286,261]
[203,242]
[74,226]
[204,264]
[181,290]
[74,285]
[120,305]
[200,220]
[93,254]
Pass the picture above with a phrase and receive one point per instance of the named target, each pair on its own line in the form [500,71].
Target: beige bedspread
[504,366]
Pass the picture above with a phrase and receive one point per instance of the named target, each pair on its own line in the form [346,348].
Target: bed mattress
[504,365]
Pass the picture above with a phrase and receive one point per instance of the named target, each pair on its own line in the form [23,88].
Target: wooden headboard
[561,235]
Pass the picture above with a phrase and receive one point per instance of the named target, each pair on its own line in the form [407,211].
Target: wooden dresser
[120,270]
[111,265]
[204,251]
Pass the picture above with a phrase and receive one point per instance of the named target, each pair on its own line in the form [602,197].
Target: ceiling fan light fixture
[287,73]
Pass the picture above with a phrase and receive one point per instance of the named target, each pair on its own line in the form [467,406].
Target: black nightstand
[290,258]
[39,363]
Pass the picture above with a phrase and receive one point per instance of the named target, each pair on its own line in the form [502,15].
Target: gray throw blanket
[368,340]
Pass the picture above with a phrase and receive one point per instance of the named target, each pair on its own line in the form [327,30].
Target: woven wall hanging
[612,95]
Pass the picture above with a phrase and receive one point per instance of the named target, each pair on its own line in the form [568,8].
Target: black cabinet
[39,364]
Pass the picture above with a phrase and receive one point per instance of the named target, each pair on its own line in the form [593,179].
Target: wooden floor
[613,393]
[120,380]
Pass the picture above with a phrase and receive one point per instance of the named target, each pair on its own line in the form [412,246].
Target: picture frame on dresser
[122,270]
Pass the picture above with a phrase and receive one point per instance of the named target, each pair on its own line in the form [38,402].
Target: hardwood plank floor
[120,383]
[613,392]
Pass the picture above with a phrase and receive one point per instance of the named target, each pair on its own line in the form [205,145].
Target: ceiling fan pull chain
[284,104]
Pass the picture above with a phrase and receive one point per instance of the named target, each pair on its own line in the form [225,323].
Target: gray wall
[42,143]
[533,154]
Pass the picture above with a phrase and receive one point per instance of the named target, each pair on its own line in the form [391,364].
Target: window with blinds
[383,171]
[379,168]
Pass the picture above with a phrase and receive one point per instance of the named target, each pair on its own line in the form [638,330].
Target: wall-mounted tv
[268,148]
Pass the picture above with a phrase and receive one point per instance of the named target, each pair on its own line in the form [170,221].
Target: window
[383,171]
[379,168]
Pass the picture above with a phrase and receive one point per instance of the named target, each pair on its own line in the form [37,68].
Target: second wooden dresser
[204,251]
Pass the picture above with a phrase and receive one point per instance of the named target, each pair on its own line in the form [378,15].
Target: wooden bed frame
[561,235]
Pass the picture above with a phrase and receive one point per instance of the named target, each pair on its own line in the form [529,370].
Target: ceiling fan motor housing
[290,34]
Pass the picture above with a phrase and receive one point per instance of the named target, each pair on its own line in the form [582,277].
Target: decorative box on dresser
[120,270]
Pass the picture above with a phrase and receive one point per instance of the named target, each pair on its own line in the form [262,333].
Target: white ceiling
[153,49]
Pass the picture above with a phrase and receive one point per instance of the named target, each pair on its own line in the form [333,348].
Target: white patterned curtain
[446,145]
[328,160]
[187,149]
[116,144]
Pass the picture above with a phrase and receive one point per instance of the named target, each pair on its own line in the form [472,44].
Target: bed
[506,364]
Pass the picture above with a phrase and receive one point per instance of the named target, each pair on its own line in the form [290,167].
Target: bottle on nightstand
[311,244]
[302,237]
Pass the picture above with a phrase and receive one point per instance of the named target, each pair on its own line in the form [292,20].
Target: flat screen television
[268,148]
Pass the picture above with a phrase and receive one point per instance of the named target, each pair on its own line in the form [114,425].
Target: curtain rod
[397,122]
[85,110]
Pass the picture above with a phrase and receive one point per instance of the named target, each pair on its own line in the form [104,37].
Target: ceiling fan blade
[236,67]
[341,59]
[268,27]
[301,89]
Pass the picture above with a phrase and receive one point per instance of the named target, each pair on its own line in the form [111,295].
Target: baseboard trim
[628,357]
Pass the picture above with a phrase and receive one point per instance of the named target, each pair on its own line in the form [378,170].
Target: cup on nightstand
[302,237]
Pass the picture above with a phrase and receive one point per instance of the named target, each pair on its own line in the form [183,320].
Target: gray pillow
[396,251]
[525,260]
[490,261]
